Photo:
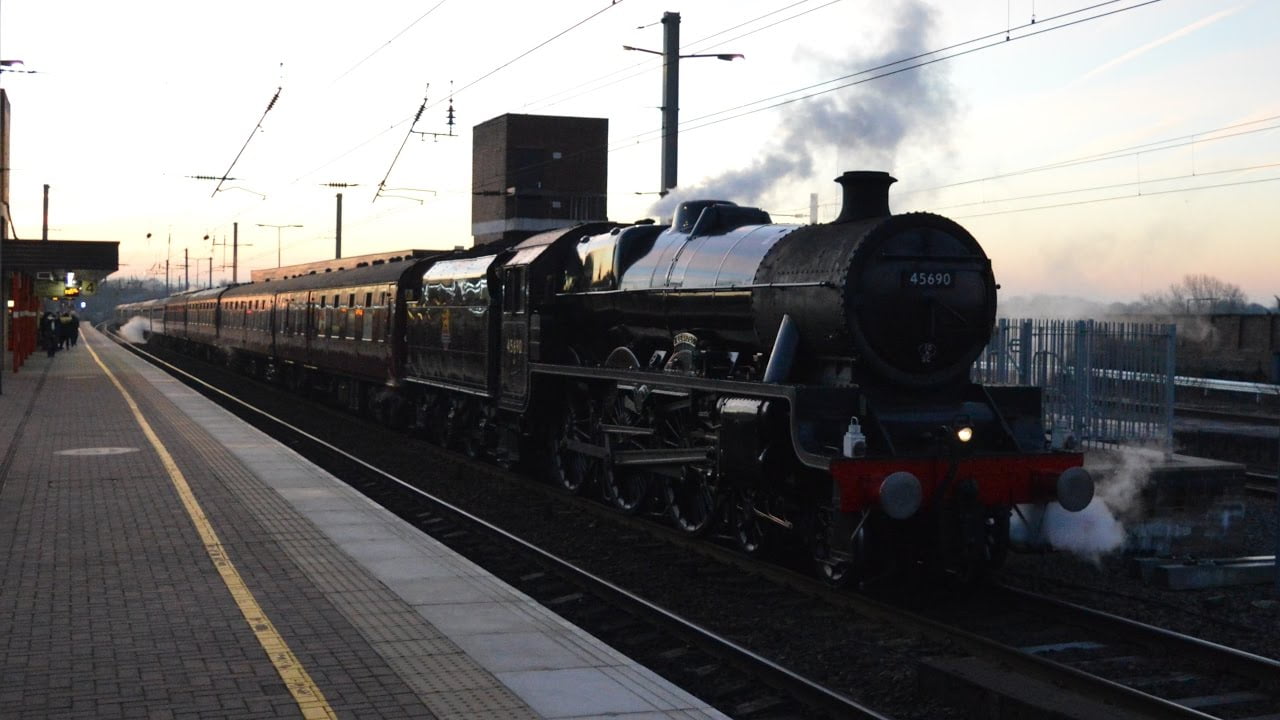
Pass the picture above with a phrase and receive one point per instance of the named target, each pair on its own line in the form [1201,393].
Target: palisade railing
[1105,383]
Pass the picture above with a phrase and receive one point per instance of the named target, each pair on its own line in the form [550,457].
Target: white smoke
[134,331]
[1122,488]
[865,124]
[1059,307]
[1090,533]
[1100,528]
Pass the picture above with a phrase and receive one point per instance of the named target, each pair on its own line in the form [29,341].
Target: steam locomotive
[799,385]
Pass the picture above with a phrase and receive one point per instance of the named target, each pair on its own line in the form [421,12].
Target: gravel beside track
[862,658]
[1245,617]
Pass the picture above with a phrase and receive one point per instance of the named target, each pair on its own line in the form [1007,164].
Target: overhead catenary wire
[1152,193]
[417,116]
[691,45]
[1094,188]
[889,69]
[894,67]
[257,127]
[1186,140]
[1173,143]
[413,119]
[535,48]
[476,81]
[1115,186]
[387,44]
[647,64]
[1042,25]
[906,64]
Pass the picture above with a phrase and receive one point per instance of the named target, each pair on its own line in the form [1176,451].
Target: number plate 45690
[928,279]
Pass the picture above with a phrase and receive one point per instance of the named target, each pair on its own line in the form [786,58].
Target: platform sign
[50,288]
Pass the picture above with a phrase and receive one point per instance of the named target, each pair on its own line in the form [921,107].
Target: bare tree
[1197,294]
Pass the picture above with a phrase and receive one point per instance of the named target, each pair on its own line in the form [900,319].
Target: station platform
[1165,479]
[159,558]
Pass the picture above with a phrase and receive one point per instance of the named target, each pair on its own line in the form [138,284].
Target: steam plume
[866,123]
[1099,528]
[133,331]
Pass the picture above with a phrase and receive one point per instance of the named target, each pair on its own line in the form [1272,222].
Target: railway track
[1074,659]
[1259,418]
[1134,669]
[1101,658]
[733,678]
[1260,483]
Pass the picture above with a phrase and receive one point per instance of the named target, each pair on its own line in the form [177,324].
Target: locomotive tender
[775,381]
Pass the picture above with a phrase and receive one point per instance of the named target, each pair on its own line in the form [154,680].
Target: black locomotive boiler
[806,384]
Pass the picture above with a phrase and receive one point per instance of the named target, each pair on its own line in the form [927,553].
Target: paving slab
[115,602]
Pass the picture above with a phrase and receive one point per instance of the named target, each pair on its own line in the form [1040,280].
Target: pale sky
[1158,118]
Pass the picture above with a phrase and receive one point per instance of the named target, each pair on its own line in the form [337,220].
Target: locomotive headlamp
[964,434]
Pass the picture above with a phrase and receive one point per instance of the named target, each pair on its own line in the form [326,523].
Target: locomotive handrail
[702,288]
[733,387]
[938,258]
[480,392]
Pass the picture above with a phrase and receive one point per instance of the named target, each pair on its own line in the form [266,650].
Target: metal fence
[1105,383]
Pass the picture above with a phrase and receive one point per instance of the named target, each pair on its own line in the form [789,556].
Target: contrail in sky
[1179,33]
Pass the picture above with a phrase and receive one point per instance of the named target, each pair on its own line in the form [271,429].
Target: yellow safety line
[310,700]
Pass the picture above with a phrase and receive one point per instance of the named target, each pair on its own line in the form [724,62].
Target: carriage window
[513,291]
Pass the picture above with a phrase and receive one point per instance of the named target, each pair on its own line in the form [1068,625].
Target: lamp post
[278,229]
[671,92]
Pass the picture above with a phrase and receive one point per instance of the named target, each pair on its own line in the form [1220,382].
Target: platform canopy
[50,263]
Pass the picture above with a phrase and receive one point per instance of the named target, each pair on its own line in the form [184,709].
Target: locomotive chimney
[866,195]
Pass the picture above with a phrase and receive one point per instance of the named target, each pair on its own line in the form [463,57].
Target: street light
[671,92]
[278,229]
[719,56]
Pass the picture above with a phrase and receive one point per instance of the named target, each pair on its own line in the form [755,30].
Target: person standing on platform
[75,328]
[49,332]
[64,330]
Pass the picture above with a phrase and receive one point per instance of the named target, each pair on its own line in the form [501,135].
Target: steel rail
[777,676]
[1260,483]
[1041,668]
[1093,686]
[1256,667]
